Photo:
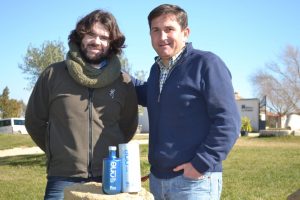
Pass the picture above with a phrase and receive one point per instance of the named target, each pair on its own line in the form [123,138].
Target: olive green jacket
[75,124]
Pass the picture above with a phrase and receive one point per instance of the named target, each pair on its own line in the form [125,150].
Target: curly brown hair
[84,26]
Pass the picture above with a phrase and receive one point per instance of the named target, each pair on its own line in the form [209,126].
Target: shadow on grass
[24,160]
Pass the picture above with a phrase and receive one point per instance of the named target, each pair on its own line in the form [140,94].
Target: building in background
[250,108]
[143,120]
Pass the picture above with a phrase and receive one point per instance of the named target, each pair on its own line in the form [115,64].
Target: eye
[169,29]
[91,35]
[154,30]
[104,38]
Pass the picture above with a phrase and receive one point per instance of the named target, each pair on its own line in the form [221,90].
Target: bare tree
[141,75]
[125,64]
[280,82]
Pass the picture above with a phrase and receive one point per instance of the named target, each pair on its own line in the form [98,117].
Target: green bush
[246,125]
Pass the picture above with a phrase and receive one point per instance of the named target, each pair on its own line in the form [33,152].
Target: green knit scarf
[86,75]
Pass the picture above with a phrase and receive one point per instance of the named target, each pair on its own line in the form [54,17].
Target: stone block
[294,196]
[93,191]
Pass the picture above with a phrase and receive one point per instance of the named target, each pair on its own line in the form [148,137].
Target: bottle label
[111,178]
[113,172]
[131,175]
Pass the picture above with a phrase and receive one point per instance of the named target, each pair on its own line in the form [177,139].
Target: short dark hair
[181,15]
[84,26]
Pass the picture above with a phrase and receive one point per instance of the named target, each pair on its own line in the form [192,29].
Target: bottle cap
[112,148]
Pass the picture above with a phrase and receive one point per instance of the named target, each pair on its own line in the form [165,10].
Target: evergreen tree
[9,107]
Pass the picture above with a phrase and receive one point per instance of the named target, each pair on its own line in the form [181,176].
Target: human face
[167,37]
[95,45]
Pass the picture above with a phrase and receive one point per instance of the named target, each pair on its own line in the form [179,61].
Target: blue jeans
[56,185]
[207,188]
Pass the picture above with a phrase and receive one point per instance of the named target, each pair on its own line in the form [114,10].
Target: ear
[186,33]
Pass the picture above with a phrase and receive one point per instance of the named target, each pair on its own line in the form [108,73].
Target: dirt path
[20,151]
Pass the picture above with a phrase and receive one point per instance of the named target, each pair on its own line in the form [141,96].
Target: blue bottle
[112,174]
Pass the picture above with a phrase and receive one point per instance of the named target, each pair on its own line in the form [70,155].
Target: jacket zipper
[90,132]
[49,147]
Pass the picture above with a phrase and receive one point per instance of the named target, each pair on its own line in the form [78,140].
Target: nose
[97,40]
[163,35]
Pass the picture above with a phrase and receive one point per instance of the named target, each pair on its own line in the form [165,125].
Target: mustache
[95,46]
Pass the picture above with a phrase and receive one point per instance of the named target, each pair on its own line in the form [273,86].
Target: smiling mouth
[164,45]
[94,49]
[93,46]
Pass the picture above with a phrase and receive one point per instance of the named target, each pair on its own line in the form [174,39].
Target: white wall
[250,108]
[143,121]
[293,122]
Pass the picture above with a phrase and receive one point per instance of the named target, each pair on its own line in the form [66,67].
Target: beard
[96,59]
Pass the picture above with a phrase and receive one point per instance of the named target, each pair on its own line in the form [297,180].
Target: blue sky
[245,34]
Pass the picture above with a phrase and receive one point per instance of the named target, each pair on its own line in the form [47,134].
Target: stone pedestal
[93,191]
[294,196]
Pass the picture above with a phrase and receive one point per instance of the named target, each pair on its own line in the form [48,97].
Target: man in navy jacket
[193,117]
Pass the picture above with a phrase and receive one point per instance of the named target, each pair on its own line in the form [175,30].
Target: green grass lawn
[262,169]
[8,141]
[22,177]
[256,169]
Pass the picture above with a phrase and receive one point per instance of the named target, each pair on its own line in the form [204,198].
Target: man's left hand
[188,171]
